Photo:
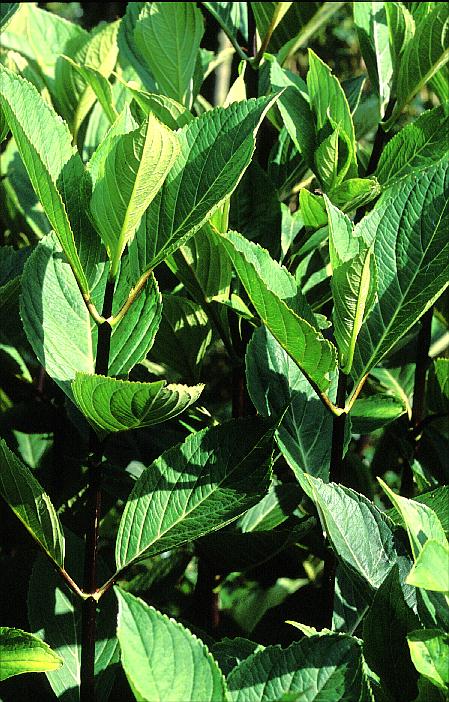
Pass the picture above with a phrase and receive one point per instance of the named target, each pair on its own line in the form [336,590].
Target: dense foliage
[224,352]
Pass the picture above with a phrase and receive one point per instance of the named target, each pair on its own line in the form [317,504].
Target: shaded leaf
[74,94]
[358,531]
[183,337]
[423,56]
[328,101]
[230,652]
[7,11]
[27,499]
[56,617]
[385,628]
[100,88]
[167,110]
[278,389]
[232,17]
[171,505]
[41,37]
[270,287]
[58,325]
[323,665]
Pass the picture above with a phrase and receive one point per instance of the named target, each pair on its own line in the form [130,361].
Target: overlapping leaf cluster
[149,238]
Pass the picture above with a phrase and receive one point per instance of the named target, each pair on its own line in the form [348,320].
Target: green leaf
[429,649]
[112,405]
[27,499]
[313,209]
[58,325]
[230,652]
[162,659]
[55,318]
[231,16]
[318,667]
[354,286]
[401,27]
[100,88]
[19,189]
[270,288]
[201,266]
[21,652]
[273,509]
[216,148]
[385,627]
[354,193]
[423,56]
[343,245]
[32,447]
[54,167]
[74,94]
[411,250]
[420,521]
[294,106]
[358,531]
[437,500]
[438,386]
[170,505]
[371,413]
[168,36]
[183,337]
[431,567]
[4,128]
[397,382]
[7,11]
[128,179]
[328,101]
[167,111]
[279,389]
[374,37]
[416,147]
[41,37]
[54,613]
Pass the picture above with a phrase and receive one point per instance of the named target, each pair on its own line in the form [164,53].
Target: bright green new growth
[130,175]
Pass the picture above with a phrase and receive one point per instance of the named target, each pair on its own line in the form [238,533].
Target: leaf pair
[162,659]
